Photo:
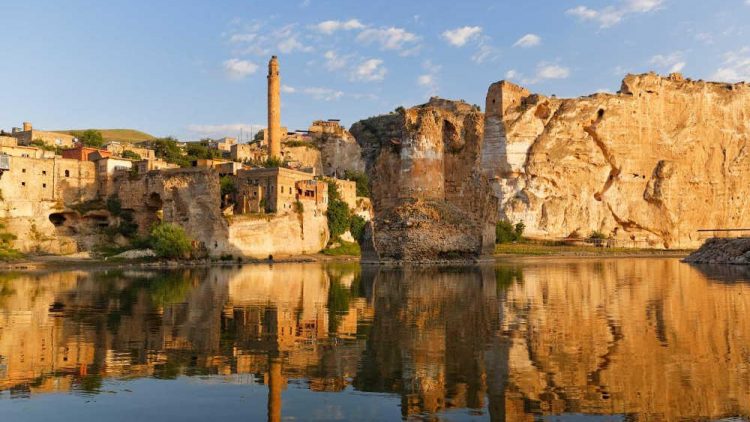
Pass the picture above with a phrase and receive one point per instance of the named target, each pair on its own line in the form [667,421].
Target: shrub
[227,186]
[357,227]
[90,138]
[344,248]
[114,206]
[338,212]
[597,235]
[506,232]
[131,155]
[362,181]
[170,241]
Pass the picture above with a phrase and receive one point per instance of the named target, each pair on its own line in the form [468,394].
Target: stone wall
[34,189]
[648,166]
[259,236]
[431,201]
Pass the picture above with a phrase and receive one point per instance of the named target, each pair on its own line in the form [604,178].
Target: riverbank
[524,249]
[542,249]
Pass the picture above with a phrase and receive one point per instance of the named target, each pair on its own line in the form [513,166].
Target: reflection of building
[648,338]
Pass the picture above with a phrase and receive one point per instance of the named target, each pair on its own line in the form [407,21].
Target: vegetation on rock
[338,213]
[506,232]
[170,241]
[362,181]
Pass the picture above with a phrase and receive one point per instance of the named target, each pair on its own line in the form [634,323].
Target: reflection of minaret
[275,385]
[273,132]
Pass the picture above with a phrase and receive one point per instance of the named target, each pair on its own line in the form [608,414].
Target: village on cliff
[436,182]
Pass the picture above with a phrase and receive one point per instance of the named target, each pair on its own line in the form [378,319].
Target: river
[522,340]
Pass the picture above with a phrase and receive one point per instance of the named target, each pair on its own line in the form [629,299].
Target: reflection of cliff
[647,337]
[651,338]
[431,339]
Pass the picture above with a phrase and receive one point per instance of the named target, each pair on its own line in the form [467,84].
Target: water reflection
[638,339]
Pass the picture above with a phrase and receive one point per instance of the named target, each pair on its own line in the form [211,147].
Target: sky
[195,69]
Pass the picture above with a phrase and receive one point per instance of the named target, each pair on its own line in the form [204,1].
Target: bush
[90,138]
[131,155]
[114,206]
[506,232]
[344,248]
[597,235]
[357,227]
[362,181]
[338,212]
[170,241]
[227,186]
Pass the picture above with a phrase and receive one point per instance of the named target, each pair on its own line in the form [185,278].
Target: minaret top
[273,66]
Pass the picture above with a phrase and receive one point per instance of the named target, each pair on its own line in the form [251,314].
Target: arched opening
[451,137]
[154,202]
[57,219]
[67,173]
[600,113]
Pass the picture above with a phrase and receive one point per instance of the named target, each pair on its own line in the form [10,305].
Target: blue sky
[198,68]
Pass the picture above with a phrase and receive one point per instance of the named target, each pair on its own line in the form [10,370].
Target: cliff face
[431,201]
[647,166]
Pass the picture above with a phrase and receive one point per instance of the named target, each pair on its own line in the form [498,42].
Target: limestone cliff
[431,201]
[647,166]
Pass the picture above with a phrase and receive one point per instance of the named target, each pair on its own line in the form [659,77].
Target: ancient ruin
[431,201]
[646,167]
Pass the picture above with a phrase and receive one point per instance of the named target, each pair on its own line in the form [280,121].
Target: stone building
[271,189]
[117,148]
[224,144]
[246,152]
[147,165]
[348,192]
[54,139]
[9,146]
[83,153]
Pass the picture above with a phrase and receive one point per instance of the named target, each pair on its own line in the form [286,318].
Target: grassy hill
[117,135]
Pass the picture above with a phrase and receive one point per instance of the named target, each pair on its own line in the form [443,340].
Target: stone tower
[274,110]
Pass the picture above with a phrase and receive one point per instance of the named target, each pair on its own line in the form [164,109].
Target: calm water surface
[525,340]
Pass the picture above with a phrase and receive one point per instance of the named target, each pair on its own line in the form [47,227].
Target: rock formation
[722,251]
[431,201]
[647,166]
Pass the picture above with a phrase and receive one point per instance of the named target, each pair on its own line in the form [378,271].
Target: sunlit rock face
[430,198]
[647,166]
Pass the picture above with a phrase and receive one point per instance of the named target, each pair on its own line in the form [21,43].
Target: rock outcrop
[722,251]
[647,166]
[431,201]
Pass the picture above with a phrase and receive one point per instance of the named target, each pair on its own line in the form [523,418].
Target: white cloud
[389,38]
[325,94]
[331,26]
[528,40]
[460,36]
[512,74]
[552,71]
[612,15]
[485,52]
[425,80]
[735,68]
[224,129]
[288,89]
[429,78]
[256,39]
[239,69]
[369,70]
[334,61]
[672,62]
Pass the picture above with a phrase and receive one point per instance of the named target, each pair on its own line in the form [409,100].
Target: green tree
[227,186]
[362,181]
[90,138]
[170,241]
[357,227]
[338,212]
[168,150]
[506,232]
[42,145]
[131,155]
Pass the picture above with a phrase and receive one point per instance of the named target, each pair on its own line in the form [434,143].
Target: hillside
[117,135]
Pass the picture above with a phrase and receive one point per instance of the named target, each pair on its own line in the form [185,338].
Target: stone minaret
[273,131]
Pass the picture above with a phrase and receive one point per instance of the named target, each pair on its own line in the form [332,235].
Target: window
[67,173]
[44,172]
[44,185]
[23,183]
[23,170]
